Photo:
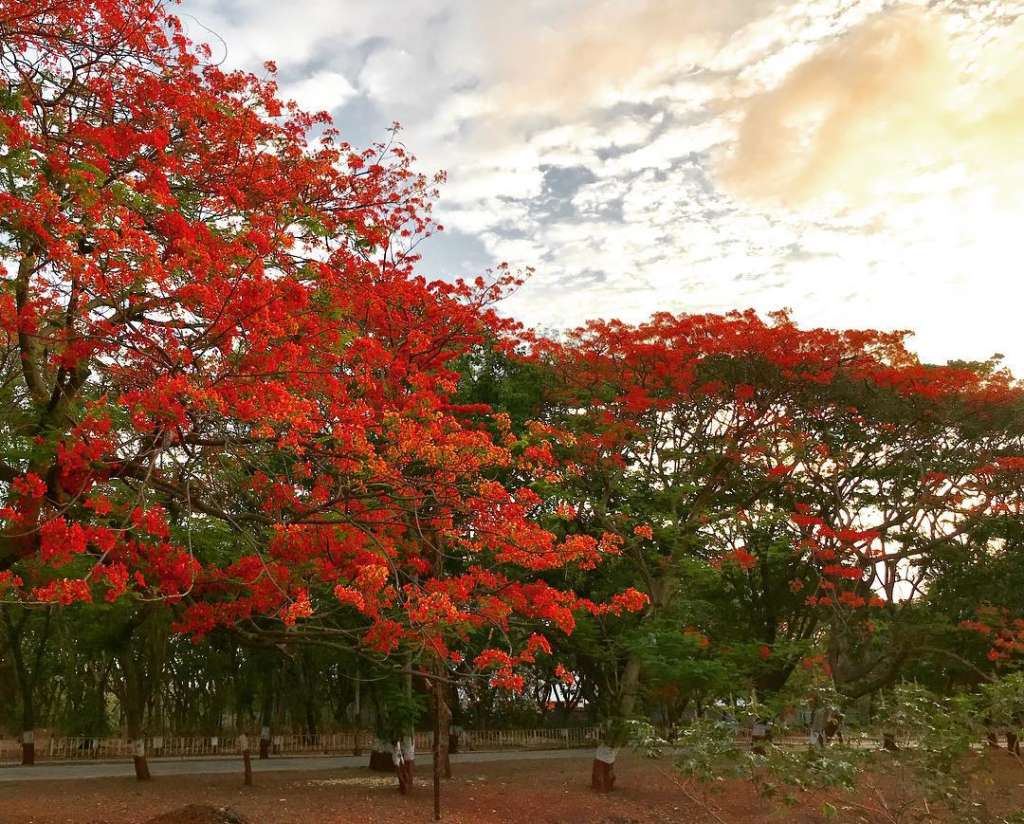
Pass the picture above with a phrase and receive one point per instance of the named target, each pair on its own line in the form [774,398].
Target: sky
[860,162]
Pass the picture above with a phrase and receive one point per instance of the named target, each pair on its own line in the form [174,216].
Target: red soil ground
[538,792]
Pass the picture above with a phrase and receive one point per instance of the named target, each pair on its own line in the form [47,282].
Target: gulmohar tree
[213,330]
[819,472]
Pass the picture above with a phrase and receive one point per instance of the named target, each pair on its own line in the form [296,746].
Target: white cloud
[323,91]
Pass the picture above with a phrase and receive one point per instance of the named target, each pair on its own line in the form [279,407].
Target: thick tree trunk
[404,757]
[139,759]
[28,748]
[602,769]
[382,757]
[134,707]
[602,773]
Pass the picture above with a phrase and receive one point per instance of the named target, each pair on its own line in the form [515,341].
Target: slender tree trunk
[141,657]
[26,679]
[266,710]
[444,724]
[28,731]
[357,714]
[408,743]
[243,743]
[438,701]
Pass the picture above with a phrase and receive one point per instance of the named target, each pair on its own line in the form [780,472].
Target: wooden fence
[342,743]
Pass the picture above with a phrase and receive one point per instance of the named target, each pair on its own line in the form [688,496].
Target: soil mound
[200,814]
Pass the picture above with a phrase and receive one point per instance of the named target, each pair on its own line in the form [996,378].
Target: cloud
[323,91]
[893,109]
[569,56]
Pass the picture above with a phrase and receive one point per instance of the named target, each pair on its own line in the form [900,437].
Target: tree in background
[817,471]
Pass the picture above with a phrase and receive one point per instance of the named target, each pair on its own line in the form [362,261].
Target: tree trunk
[630,687]
[602,773]
[26,677]
[406,748]
[381,757]
[28,747]
[266,711]
[243,745]
[437,746]
[602,770]
[28,726]
[404,757]
[444,724]
[357,715]
[139,759]
[141,656]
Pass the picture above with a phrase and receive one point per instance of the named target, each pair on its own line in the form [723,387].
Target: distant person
[991,733]
[834,728]
[819,720]
[1012,739]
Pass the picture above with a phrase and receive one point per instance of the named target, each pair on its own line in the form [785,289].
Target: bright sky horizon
[858,161]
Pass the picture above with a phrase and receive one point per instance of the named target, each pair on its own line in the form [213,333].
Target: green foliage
[778,772]
[931,768]
[397,710]
[1002,702]
[635,733]
[708,751]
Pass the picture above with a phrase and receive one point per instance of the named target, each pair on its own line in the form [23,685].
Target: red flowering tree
[818,470]
[224,385]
